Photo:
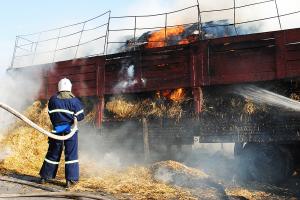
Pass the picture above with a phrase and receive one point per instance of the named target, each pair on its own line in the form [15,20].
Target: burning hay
[158,38]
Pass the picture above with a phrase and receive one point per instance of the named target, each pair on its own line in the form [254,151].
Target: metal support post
[100,112]
[107,34]
[146,140]
[278,14]
[166,24]
[201,34]
[234,18]
[79,40]
[56,44]
[14,53]
[198,99]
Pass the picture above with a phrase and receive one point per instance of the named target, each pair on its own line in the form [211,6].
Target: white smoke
[17,90]
[126,79]
[114,148]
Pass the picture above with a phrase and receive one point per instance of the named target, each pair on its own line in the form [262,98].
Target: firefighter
[63,108]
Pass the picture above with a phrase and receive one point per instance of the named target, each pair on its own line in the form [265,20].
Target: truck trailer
[195,85]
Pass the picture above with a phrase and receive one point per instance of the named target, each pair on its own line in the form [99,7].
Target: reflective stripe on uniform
[61,110]
[71,161]
[51,162]
[79,112]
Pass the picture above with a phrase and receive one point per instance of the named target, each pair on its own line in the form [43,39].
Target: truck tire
[267,163]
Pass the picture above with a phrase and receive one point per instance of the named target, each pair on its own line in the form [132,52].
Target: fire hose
[55,195]
[50,192]
[38,128]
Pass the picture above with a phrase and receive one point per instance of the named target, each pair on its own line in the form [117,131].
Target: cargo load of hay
[125,109]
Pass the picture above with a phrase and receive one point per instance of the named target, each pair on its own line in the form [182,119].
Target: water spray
[38,128]
[260,95]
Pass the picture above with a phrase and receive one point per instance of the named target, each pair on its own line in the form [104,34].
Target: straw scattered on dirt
[28,148]
[250,195]
[136,182]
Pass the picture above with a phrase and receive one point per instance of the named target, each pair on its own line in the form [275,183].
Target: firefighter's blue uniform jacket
[62,113]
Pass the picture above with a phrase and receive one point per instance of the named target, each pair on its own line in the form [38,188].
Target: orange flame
[177,95]
[157,39]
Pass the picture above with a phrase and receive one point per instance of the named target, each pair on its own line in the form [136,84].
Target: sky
[21,17]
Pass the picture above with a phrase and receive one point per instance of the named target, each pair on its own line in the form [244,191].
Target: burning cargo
[181,34]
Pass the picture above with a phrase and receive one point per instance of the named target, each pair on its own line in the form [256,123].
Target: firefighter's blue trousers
[50,165]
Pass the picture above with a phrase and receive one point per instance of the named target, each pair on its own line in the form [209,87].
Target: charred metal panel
[280,55]
[292,35]
[166,69]
[293,58]
[242,61]
[147,70]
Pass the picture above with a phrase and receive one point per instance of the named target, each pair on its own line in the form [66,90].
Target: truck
[197,81]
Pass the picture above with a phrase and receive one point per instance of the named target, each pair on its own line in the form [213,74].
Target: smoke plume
[18,90]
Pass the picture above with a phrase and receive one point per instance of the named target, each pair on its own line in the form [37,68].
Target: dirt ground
[30,185]
[7,187]
[218,165]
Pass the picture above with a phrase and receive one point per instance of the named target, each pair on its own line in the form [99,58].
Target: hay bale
[121,108]
[174,173]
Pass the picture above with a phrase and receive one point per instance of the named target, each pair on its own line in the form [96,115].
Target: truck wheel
[268,163]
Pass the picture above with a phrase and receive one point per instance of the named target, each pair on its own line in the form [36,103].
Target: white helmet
[64,85]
